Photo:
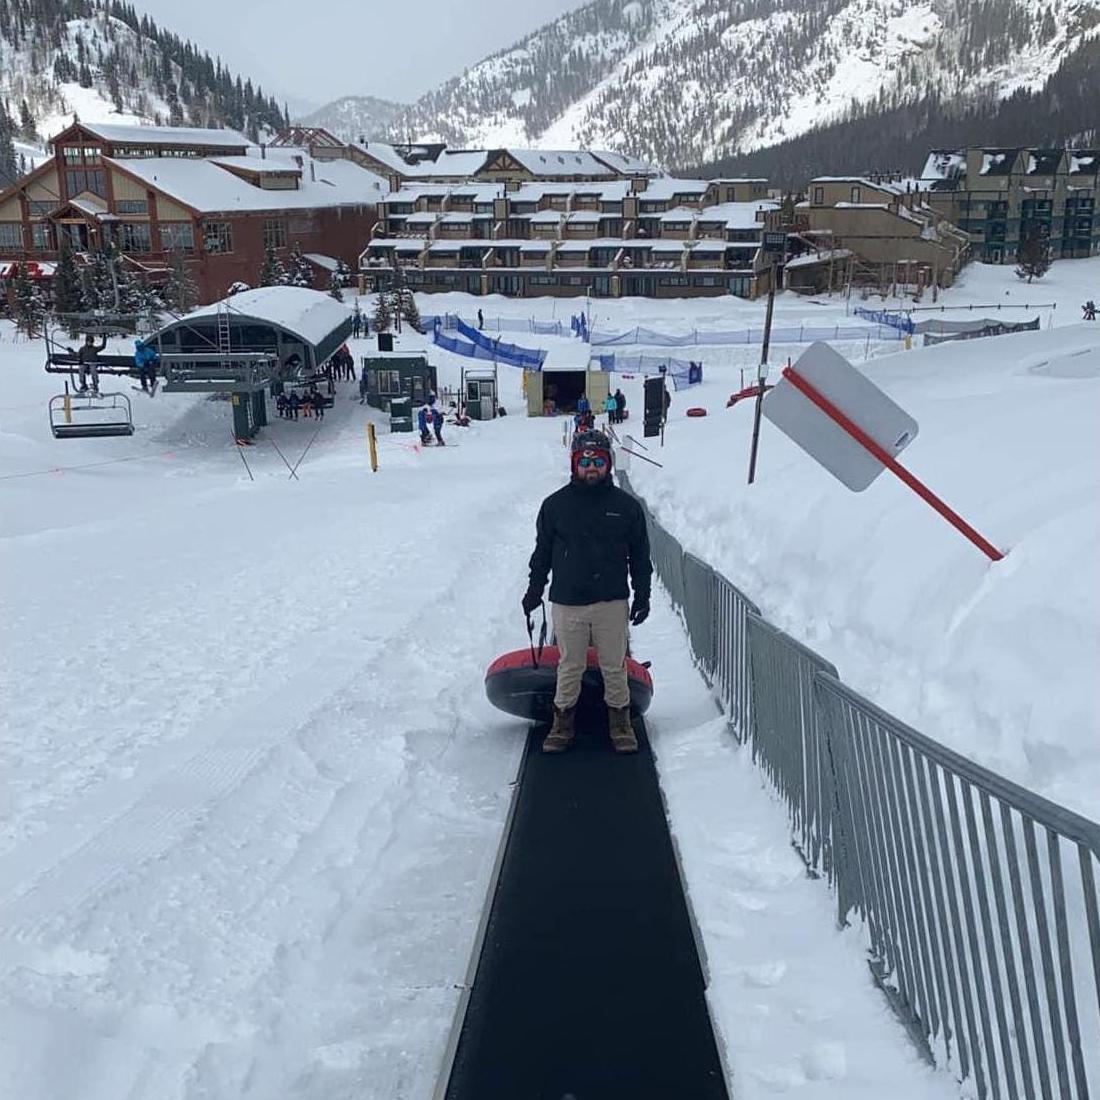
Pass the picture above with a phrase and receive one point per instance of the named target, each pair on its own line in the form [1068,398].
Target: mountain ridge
[688,82]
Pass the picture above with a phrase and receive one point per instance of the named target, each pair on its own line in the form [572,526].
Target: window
[42,237]
[132,206]
[86,179]
[855,194]
[389,383]
[134,237]
[81,154]
[274,233]
[217,237]
[819,196]
[40,207]
[177,237]
[11,235]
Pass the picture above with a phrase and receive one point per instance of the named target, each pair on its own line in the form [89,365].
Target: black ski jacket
[590,537]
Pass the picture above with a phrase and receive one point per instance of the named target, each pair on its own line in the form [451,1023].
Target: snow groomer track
[589,983]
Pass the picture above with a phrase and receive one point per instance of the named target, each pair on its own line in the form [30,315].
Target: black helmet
[592,439]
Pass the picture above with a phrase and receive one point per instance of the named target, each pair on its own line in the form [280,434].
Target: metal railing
[978,896]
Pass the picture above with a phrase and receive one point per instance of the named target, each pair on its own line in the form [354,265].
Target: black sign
[654,412]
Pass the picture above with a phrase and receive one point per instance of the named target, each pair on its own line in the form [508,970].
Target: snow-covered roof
[862,181]
[271,164]
[664,188]
[667,246]
[997,162]
[329,263]
[708,246]
[624,163]
[736,215]
[944,164]
[204,186]
[536,246]
[585,216]
[1084,161]
[399,244]
[476,192]
[423,217]
[311,314]
[679,214]
[559,162]
[384,154]
[166,135]
[812,258]
[414,192]
[547,216]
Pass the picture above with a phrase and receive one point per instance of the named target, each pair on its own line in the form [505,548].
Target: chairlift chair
[86,415]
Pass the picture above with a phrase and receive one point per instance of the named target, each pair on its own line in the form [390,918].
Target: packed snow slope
[253,792]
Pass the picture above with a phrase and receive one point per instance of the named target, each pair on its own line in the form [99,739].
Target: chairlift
[89,415]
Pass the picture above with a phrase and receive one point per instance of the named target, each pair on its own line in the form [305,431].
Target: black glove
[531,600]
[640,611]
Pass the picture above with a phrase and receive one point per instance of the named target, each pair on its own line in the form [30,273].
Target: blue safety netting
[795,334]
[578,324]
[449,322]
[895,320]
[683,372]
[532,358]
[491,352]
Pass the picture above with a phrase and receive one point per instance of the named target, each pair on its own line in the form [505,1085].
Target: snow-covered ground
[252,790]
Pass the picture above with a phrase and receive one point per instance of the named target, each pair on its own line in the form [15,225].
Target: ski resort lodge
[205,198]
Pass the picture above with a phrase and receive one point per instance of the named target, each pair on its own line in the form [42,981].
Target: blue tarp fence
[532,360]
[800,334]
[578,324]
[903,324]
[683,372]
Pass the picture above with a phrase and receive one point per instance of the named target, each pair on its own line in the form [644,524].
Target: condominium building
[999,195]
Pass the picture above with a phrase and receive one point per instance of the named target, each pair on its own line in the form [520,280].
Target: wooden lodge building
[206,197]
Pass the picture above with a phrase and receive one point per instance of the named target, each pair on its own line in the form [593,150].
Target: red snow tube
[515,685]
[697,410]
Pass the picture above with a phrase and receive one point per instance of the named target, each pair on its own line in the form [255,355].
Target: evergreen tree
[29,307]
[8,168]
[383,314]
[406,303]
[27,126]
[1033,258]
[300,271]
[334,290]
[181,293]
[68,294]
[273,273]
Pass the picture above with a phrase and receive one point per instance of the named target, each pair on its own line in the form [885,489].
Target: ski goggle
[586,462]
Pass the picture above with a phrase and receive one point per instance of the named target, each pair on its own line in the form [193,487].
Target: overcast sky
[319,50]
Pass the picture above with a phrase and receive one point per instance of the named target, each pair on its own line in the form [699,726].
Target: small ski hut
[398,375]
[557,387]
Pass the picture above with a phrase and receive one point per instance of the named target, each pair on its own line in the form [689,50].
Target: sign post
[774,246]
[372,444]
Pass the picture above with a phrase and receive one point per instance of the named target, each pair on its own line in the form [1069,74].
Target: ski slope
[253,792]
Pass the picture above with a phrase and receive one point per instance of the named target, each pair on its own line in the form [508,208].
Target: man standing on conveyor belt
[590,535]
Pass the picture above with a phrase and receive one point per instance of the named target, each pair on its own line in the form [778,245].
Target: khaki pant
[605,624]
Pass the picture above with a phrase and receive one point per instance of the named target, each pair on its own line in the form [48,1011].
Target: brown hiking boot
[561,732]
[622,732]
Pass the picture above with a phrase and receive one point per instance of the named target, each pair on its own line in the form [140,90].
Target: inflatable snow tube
[515,685]
[696,410]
